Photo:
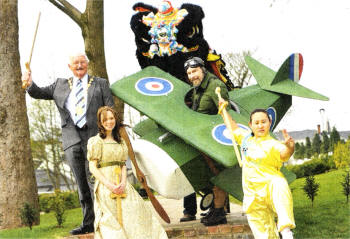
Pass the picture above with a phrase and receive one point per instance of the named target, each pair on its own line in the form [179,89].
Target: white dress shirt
[71,100]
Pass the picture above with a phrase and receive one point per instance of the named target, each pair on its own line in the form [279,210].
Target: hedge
[313,167]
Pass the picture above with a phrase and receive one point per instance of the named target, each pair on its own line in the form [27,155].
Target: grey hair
[77,54]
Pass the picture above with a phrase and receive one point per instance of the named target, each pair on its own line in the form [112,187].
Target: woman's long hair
[101,114]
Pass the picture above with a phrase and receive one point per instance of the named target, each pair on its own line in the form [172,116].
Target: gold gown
[138,220]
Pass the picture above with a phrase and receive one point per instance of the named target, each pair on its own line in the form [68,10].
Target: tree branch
[68,9]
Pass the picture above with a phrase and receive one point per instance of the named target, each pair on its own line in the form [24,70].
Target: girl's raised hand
[288,140]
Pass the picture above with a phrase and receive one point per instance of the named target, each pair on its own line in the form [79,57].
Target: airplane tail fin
[286,79]
[290,69]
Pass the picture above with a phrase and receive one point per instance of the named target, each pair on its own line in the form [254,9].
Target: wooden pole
[27,64]
[234,143]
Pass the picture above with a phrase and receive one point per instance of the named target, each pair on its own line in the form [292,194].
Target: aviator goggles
[193,63]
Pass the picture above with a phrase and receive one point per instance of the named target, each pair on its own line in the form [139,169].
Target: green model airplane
[176,136]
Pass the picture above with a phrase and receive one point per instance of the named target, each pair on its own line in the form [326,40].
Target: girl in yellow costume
[266,191]
[107,153]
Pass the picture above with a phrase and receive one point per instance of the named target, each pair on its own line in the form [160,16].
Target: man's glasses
[75,63]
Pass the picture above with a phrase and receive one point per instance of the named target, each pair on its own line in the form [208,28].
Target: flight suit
[205,100]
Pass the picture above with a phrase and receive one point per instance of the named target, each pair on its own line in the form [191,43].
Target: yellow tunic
[266,191]
[137,217]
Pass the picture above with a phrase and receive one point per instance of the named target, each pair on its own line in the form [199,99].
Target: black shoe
[215,222]
[204,214]
[82,230]
[187,218]
[218,216]
[227,205]
[208,214]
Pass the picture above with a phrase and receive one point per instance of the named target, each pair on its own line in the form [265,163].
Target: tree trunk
[92,27]
[93,34]
[17,178]
[91,23]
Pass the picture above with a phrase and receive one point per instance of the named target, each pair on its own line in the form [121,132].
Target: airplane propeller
[142,179]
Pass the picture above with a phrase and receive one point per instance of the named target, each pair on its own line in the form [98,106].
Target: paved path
[236,227]
[174,208]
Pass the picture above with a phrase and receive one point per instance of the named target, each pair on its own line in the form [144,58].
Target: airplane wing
[161,96]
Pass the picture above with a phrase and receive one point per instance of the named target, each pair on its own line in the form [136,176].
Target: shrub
[311,188]
[57,204]
[328,160]
[341,154]
[71,200]
[346,185]
[313,167]
[29,214]
[44,200]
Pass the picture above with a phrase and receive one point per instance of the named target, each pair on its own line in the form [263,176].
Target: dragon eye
[191,34]
[163,34]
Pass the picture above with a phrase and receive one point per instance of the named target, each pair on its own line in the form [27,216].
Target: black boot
[218,216]
[227,205]
[187,218]
[208,214]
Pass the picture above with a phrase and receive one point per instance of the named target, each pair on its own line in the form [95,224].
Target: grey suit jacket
[99,95]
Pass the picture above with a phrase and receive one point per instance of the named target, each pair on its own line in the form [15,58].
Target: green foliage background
[330,216]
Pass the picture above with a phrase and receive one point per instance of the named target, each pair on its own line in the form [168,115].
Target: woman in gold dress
[120,212]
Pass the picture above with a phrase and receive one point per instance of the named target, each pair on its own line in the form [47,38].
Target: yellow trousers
[274,199]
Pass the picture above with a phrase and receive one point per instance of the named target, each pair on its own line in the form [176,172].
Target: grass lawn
[329,218]
[330,215]
[47,227]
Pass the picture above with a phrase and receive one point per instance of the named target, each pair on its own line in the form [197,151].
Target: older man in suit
[77,99]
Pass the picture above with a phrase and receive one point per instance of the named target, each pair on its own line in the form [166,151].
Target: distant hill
[344,134]
[301,135]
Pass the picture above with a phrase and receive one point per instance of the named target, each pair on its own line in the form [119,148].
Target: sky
[318,29]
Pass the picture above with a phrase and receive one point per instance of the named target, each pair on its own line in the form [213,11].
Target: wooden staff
[119,198]
[27,64]
[238,155]
[141,177]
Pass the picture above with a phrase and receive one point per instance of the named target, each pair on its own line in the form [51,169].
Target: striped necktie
[80,106]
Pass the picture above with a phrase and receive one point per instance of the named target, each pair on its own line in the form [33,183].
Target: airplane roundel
[272,113]
[153,86]
[222,135]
